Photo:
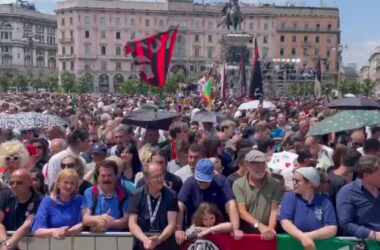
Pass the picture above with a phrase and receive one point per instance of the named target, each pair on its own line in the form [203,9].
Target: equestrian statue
[232,16]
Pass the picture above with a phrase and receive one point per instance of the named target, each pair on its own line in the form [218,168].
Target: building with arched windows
[27,41]
[97,30]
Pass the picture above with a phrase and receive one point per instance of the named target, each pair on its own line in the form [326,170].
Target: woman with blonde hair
[75,163]
[59,215]
[13,156]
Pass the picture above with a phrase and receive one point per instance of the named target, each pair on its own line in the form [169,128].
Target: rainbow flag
[207,93]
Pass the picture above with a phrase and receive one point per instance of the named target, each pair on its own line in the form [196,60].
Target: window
[118,51]
[87,34]
[294,39]
[316,52]
[63,22]
[118,66]
[197,24]
[305,52]
[118,35]
[147,22]
[265,39]
[133,22]
[329,27]
[329,40]
[117,21]
[282,38]
[103,35]
[161,23]
[103,20]
[87,66]
[72,66]
[251,26]
[86,20]
[103,50]
[196,38]
[295,26]
[64,66]
[317,39]
[306,26]
[71,20]
[104,66]
[196,51]
[87,49]
[210,38]
[294,51]
[71,33]
[283,26]
[133,35]
[266,26]
[210,25]
[305,39]
[63,51]
[318,27]
[328,53]
[63,35]
[180,47]
[282,52]
[71,50]
[209,52]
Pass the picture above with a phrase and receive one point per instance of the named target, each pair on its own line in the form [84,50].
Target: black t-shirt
[83,186]
[15,213]
[233,177]
[336,183]
[172,180]
[139,206]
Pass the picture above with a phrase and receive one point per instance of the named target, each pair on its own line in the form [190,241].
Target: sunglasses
[16,183]
[67,165]
[12,158]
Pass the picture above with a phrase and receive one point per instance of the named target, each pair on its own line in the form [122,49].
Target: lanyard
[152,216]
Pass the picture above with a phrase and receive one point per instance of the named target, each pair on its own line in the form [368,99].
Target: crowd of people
[101,174]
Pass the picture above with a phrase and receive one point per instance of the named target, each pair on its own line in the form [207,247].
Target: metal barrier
[124,241]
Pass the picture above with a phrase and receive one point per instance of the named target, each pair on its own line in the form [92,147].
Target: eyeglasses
[296,181]
[12,158]
[94,123]
[16,183]
[156,177]
[68,165]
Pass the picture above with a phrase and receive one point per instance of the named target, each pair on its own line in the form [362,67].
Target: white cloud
[359,52]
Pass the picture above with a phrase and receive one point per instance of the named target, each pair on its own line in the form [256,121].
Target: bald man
[18,207]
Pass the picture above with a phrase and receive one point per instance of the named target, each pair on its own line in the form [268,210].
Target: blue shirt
[306,216]
[358,210]
[105,203]
[51,214]
[219,193]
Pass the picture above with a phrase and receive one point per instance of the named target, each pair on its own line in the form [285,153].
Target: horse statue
[232,16]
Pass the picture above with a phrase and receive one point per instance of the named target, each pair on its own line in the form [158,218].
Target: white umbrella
[254,104]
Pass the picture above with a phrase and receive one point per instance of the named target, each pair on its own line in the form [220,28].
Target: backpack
[122,193]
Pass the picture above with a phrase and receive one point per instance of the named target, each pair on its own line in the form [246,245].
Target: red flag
[152,55]
[242,78]
[256,85]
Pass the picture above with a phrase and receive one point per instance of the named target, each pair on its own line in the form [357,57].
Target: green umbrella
[346,120]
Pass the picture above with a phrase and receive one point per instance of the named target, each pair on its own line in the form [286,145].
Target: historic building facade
[91,36]
[27,41]
[372,69]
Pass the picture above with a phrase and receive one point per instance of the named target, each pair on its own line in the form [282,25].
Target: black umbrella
[354,103]
[151,119]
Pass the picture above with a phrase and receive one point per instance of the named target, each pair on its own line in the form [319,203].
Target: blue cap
[99,148]
[204,171]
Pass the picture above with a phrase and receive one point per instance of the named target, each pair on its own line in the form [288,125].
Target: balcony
[65,57]
[306,44]
[290,30]
[66,40]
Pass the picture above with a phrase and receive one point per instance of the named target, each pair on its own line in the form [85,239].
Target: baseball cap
[99,148]
[204,171]
[311,174]
[255,156]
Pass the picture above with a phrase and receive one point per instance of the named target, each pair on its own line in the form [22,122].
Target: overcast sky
[359,22]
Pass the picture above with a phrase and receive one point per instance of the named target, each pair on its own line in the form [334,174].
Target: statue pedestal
[234,48]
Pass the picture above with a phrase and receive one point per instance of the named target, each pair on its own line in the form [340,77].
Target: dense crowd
[101,174]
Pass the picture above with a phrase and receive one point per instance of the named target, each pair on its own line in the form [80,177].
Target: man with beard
[105,206]
[258,196]
[123,135]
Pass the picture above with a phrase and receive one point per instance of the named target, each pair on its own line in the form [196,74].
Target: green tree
[82,84]
[37,83]
[366,87]
[20,81]
[67,82]
[172,84]
[5,82]
[51,83]
[132,87]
